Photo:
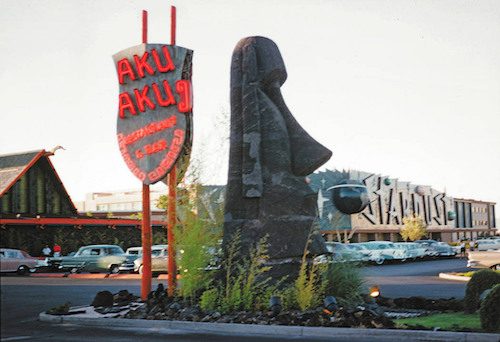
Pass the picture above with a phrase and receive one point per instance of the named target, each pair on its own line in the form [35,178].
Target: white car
[487,244]
[411,250]
[382,251]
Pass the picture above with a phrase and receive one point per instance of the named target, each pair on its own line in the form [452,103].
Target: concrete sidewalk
[162,327]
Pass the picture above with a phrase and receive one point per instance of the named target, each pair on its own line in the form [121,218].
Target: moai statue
[269,159]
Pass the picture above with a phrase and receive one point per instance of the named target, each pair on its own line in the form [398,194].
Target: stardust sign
[154,108]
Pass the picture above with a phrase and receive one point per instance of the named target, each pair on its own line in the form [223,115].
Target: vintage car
[159,259]
[131,253]
[382,251]
[410,250]
[14,260]
[484,259]
[487,244]
[340,252]
[93,258]
[435,248]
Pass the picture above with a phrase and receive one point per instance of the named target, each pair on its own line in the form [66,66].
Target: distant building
[446,218]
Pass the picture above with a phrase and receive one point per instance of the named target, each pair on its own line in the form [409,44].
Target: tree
[413,228]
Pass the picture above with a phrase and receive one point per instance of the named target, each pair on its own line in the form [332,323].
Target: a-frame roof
[14,166]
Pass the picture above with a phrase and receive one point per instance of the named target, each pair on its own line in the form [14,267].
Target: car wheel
[140,269]
[22,270]
[32,270]
[114,269]
[495,267]
[380,261]
[73,270]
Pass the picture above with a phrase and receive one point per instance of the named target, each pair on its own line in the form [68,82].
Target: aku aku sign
[154,126]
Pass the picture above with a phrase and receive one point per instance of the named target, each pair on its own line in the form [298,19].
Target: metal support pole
[146,243]
[144,27]
[172,218]
[146,209]
[173,23]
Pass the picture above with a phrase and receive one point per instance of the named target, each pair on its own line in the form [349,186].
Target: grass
[445,321]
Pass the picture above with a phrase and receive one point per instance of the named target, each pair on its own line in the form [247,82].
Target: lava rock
[103,298]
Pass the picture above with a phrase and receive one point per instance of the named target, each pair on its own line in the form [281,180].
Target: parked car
[15,260]
[365,252]
[131,253]
[159,260]
[341,252]
[484,259]
[487,244]
[410,250]
[381,251]
[435,248]
[93,258]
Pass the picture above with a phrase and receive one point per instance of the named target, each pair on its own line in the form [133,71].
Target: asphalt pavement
[23,298]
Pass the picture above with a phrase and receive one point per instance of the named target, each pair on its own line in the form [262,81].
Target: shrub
[480,281]
[208,300]
[490,310]
[344,281]
[308,286]
[243,285]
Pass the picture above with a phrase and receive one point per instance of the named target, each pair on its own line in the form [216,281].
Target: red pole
[146,209]
[172,218]
[144,27]
[172,196]
[173,23]
[146,243]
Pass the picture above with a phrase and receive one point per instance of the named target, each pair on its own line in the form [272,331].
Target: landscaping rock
[103,298]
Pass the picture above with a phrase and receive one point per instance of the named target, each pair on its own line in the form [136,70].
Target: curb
[453,277]
[97,276]
[164,327]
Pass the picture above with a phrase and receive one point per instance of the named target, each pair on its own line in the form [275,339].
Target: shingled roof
[13,166]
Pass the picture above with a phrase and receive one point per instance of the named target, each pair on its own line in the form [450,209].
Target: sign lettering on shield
[154,126]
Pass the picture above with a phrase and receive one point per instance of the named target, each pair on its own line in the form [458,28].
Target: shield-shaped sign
[154,126]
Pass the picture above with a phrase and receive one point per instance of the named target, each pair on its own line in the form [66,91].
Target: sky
[406,89]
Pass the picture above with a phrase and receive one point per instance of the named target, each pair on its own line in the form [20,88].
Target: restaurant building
[36,210]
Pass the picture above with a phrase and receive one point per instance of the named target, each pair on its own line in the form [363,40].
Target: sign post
[154,127]
[172,195]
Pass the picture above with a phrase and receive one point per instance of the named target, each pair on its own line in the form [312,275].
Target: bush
[344,281]
[490,310]
[480,281]
[243,285]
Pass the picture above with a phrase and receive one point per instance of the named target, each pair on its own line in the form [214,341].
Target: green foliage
[414,228]
[480,281]
[447,321]
[136,216]
[209,299]
[490,310]
[194,240]
[243,286]
[308,286]
[343,281]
